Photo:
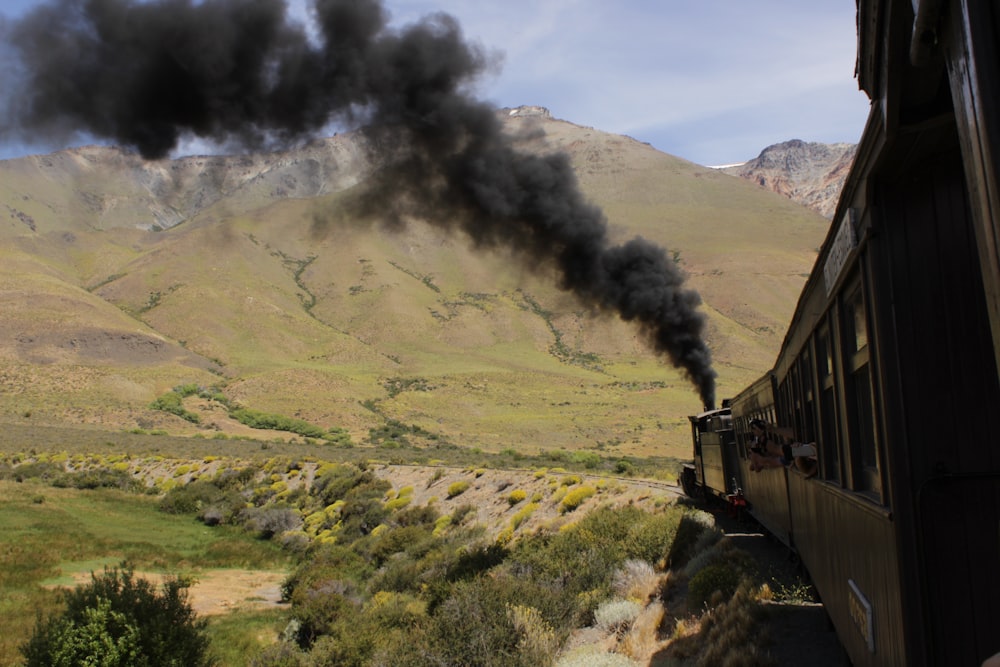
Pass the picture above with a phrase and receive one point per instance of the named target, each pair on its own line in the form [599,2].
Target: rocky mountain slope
[122,278]
[809,173]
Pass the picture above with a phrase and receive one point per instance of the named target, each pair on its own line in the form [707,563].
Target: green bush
[397,504]
[719,578]
[457,488]
[334,482]
[588,460]
[651,538]
[575,498]
[516,496]
[190,498]
[120,620]
[264,420]
[173,403]
[522,515]
[624,467]
[422,515]
[582,558]
[98,479]
[396,541]
[478,625]
[44,471]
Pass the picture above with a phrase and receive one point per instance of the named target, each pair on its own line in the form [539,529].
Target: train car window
[793,399]
[807,432]
[860,322]
[829,447]
[861,411]
[742,426]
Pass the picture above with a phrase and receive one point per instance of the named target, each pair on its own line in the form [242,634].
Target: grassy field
[48,534]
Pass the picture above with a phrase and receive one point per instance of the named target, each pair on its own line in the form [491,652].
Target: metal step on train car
[890,364]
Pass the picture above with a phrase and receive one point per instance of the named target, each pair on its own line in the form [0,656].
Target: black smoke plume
[149,74]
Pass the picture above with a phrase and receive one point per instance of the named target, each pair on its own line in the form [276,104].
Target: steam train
[890,363]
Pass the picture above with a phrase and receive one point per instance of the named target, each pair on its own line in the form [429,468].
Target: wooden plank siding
[934,296]
[844,538]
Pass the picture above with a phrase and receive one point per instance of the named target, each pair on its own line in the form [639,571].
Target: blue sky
[712,81]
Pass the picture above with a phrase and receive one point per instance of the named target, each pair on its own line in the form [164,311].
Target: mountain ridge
[809,173]
[246,273]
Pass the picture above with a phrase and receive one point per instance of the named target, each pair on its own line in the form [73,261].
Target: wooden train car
[716,458]
[890,363]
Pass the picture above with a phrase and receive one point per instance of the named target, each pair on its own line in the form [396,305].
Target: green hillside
[122,279]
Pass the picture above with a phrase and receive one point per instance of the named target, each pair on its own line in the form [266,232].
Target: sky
[711,81]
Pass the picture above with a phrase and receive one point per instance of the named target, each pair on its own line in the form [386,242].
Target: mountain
[809,173]
[123,278]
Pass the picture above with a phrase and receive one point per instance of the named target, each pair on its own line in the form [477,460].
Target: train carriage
[890,363]
[715,469]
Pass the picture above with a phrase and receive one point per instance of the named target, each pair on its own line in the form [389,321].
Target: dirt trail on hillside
[217,592]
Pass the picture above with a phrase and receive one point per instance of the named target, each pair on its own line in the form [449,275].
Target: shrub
[389,542]
[537,641]
[589,460]
[190,498]
[44,471]
[398,503]
[270,521]
[575,498]
[522,515]
[652,538]
[635,580]
[441,524]
[719,578]
[731,634]
[98,479]
[475,625]
[559,494]
[264,420]
[414,516]
[462,512]
[173,403]
[121,620]
[516,496]
[582,558]
[616,616]
[457,488]
[624,467]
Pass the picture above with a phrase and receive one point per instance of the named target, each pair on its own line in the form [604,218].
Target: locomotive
[890,363]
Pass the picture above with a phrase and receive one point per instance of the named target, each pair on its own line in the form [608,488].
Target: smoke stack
[148,74]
